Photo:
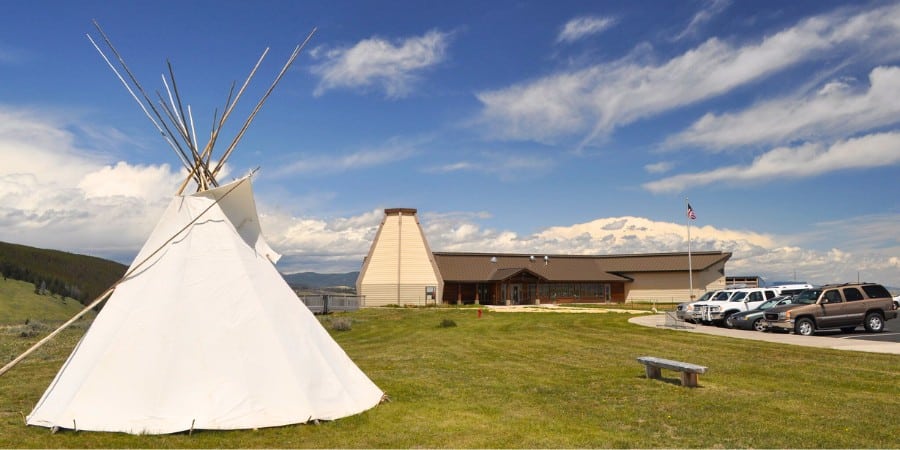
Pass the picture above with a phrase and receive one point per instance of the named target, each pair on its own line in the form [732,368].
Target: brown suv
[843,306]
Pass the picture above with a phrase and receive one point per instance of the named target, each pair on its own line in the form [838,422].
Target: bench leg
[689,379]
[653,372]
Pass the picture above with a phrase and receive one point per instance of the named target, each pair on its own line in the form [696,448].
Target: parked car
[718,311]
[755,318]
[897,301]
[685,311]
[843,306]
[718,296]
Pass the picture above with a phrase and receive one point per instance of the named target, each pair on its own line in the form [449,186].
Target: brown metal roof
[472,267]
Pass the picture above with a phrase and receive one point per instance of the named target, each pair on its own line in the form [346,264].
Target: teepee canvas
[203,332]
[204,335]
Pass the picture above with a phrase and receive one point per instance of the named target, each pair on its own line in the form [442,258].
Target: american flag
[690,213]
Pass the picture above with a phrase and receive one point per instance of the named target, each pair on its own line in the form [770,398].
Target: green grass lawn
[518,380]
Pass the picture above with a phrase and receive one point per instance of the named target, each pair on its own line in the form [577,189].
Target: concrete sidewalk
[861,345]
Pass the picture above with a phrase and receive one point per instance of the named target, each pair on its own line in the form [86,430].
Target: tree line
[43,285]
[62,274]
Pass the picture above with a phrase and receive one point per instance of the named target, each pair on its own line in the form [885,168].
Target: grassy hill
[88,275]
[19,303]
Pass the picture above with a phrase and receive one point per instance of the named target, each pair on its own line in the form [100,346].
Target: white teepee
[202,332]
[204,335]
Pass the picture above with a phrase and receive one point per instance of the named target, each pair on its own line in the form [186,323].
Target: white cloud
[660,167]
[321,245]
[581,27]
[454,167]
[55,194]
[392,151]
[597,99]
[770,256]
[834,110]
[505,167]
[753,253]
[869,245]
[37,142]
[391,67]
[109,209]
[714,8]
[875,150]
[145,182]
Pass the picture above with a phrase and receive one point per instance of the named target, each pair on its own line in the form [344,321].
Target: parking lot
[888,335]
[887,341]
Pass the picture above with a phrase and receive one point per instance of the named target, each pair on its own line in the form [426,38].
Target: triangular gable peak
[516,275]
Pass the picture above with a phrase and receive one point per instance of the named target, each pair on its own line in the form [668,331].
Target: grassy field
[535,380]
[19,303]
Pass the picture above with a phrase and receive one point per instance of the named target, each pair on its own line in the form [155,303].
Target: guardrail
[324,304]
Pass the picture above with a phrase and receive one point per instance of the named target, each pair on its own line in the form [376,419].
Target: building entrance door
[522,294]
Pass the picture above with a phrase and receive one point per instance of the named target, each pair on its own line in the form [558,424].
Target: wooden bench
[689,372]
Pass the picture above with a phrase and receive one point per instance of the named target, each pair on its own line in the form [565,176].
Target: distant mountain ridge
[320,280]
[91,275]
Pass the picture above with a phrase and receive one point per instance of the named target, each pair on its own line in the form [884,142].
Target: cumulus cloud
[595,100]
[874,150]
[108,209]
[869,245]
[581,27]
[376,62]
[56,194]
[770,256]
[321,245]
[834,110]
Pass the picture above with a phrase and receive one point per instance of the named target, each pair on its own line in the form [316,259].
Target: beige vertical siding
[399,265]
[669,287]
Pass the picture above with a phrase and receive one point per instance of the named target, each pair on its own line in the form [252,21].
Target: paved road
[885,342]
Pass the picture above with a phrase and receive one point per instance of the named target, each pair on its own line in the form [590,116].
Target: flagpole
[687,206]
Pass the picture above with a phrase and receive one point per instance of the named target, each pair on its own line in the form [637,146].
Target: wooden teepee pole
[43,341]
[240,134]
[229,107]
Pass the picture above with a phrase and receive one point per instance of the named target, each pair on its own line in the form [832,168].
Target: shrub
[447,323]
[32,328]
[341,324]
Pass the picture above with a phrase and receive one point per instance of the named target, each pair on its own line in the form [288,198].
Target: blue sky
[512,126]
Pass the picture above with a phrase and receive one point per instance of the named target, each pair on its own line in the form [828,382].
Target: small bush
[32,328]
[341,324]
[447,323]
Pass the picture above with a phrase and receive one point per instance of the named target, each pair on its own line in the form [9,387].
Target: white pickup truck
[718,311]
[694,311]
